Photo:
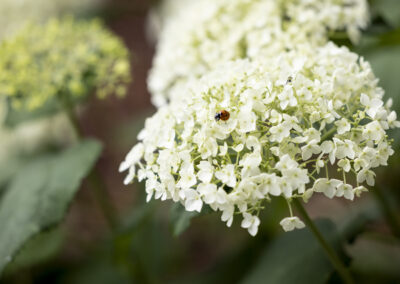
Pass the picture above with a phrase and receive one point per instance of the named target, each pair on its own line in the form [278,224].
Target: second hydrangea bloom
[72,58]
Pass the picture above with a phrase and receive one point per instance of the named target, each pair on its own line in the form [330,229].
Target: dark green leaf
[39,195]
[134,219]
[376,258]
[389,10]
[295,257]
[8,169]
[385,62]
[354,221]
[180,219]
[37,250]
[100,271]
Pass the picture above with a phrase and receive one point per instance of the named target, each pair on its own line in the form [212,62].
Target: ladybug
[222,115]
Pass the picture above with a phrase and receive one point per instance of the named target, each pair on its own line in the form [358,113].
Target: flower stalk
[330,252]
[99,187]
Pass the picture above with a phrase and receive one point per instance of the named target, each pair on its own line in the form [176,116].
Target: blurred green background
[160,243]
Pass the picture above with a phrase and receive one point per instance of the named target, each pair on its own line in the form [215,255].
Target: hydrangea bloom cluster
[291,116]
[206,33]
[74,58]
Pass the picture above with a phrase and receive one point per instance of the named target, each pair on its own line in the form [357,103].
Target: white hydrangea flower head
[204,33]
[266,148]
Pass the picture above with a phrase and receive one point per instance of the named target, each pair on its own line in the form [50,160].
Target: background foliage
[63,238]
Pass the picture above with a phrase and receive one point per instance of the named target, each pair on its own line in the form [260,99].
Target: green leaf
[38,249]
[376,258]
[134,219]
[180,219]
[385,62]
[354,220]
[295,257]
[389,10]
[39,195]
[99,271]
[8,169]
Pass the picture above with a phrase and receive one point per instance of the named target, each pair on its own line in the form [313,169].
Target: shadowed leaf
[295,257]
[38,196]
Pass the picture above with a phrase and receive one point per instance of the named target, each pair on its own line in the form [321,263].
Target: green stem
[103,198]
[99,187]
[390,215]
[333,257]
[73,119]
[328,133]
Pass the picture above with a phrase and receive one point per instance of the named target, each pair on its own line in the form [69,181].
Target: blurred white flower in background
[160,14]
[198,35]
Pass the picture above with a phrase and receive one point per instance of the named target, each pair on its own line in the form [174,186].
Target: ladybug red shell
[222,115]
